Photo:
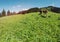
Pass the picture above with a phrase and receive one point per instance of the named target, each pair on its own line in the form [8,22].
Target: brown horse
[45,11]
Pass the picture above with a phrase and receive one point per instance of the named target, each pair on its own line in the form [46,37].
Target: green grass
[30,28]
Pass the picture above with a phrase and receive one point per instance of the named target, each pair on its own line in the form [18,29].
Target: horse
[45,11]
[40,12]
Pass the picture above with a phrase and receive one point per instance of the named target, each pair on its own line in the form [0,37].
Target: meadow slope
[30,27]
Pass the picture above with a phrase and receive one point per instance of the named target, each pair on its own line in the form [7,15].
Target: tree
[8,13]
[3,13]
[0,15]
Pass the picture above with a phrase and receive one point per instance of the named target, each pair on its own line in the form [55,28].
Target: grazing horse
[40,12]
[45,11]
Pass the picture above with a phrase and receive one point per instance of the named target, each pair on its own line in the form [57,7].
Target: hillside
[53,9]
[30,27]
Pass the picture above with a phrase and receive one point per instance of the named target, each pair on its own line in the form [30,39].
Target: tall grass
[30,28]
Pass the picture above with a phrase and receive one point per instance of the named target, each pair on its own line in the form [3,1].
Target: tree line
[8,13]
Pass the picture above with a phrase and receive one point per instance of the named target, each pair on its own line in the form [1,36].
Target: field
[30,27]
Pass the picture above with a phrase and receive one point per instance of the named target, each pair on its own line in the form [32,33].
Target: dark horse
[40,12]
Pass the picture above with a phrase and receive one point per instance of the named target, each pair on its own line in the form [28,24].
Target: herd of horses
[43,11]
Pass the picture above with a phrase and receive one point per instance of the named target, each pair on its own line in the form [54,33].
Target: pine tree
[8,13]
[3,13]
[0,15]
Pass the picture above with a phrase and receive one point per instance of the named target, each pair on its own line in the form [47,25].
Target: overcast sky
[18,5]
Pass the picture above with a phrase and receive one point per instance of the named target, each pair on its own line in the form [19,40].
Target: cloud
[17,6]
[25,9]
[52,4]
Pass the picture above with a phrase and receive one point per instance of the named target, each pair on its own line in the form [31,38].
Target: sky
[19,5]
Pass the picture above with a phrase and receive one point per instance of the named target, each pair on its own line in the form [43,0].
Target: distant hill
[53,9]
[36,9]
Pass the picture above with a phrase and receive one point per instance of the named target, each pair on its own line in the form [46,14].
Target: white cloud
[25,9]
[17,6]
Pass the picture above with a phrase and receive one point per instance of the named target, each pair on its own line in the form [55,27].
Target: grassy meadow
[30,27]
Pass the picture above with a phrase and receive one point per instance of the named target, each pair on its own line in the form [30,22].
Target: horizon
[19,5]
